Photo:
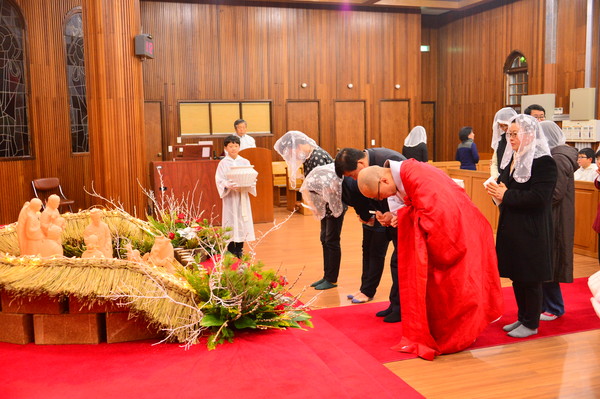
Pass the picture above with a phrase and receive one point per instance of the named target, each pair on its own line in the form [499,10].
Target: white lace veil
[533,145]
[417,135]
[323,187]
[554,134]
[288,147]
[503,116]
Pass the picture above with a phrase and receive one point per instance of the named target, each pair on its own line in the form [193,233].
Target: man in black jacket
[350,161]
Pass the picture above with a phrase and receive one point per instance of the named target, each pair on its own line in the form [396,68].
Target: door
[153,129]
[350,125]
[304,116]
[394,117]
[428,115]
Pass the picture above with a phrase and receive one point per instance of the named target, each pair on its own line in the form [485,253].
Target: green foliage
[237,295]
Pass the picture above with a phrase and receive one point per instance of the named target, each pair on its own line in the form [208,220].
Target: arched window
[516,76]
[15,140]
[76,81]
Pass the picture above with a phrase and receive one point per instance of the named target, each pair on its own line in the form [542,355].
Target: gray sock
[522,332]
[512,326]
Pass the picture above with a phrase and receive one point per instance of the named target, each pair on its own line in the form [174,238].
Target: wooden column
[115,101]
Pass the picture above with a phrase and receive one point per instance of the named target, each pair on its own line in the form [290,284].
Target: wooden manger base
[48,320]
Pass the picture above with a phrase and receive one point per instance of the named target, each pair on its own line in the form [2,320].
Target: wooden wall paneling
[350,125]
[395,124]
[428,122]
[153,130]
[570,49]
[304,116]
[471,53]
[115,103]
[267,52]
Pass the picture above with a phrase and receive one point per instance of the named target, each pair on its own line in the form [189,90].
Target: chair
[279,183]
[45,187]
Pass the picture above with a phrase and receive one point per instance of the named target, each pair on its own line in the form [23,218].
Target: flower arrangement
[235,294]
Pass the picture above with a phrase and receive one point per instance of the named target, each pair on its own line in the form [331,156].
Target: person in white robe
[237,213]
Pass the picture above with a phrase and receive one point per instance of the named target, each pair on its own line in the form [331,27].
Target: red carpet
[318,363]
[360,324]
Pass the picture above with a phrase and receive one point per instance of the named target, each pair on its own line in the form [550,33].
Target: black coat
[524,235]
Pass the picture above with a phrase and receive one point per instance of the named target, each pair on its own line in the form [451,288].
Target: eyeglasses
[582,157]
[540,117]
[512,134]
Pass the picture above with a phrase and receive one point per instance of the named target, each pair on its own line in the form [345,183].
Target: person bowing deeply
[447,270]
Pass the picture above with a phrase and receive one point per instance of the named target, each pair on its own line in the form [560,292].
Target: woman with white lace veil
[563,219]
[297,149]
[415,144]
[499,127]
[524,237]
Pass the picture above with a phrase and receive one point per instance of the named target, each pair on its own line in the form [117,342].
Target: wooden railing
[586,205]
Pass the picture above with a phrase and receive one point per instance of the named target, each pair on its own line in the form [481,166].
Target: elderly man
[447,268]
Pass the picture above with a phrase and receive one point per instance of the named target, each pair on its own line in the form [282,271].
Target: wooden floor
[566,366]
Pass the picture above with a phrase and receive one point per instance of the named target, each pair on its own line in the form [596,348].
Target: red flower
[178,221]
[280,307]
[274,284]
[258,276]
[199,221]
[181,216]
[283,281]
[171,235]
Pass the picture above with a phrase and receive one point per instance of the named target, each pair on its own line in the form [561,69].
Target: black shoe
[383,313]
[317,282]
[393,317]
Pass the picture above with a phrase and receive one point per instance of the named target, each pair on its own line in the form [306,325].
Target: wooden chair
[279,183]
[45,187]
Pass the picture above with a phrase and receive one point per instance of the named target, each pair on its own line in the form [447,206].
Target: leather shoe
[393,317]
[383,313]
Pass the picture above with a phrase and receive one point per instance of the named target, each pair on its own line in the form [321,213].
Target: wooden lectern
[262,204]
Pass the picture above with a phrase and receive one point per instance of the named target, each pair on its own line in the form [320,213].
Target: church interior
[118,99]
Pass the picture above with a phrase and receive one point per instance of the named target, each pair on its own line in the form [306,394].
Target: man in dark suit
[349,162]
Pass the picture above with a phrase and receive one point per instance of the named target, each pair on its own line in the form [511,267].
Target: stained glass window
[15,140]
[76,82]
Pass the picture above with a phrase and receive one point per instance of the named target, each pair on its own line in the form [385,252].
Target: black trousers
[236,248]
[331,229]
[374,247]
[392,234]
[529,298]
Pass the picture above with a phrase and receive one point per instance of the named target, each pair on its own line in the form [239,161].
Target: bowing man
[447,269]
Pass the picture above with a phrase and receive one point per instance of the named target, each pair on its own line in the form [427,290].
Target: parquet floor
[566,366]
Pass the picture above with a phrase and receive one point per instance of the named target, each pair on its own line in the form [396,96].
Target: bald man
[447,268]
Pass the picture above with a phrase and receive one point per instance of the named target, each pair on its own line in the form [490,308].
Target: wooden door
[350,125]
[428,115]
[304,116]
[394,117]
[153,129]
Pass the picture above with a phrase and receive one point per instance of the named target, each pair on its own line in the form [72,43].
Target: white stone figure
[100,229]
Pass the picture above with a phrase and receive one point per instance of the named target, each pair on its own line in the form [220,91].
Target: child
[237,213]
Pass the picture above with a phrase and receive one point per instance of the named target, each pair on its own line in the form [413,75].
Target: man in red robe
[447,267]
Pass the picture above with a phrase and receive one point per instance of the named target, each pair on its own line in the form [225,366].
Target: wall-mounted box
[582,131]
[583,104]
